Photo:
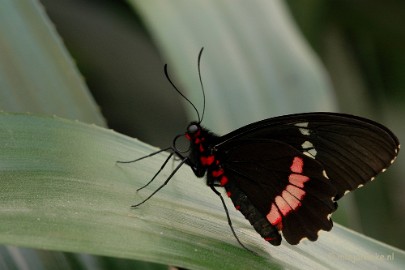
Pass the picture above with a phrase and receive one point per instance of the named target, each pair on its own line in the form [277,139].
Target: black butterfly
[286,173]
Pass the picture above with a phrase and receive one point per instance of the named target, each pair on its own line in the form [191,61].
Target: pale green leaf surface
[61,189]
[255,63]
[36,72]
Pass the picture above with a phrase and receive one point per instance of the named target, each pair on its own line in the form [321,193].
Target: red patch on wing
[298,179]
[296,192]
[297,165]
[274,215]
[290,198]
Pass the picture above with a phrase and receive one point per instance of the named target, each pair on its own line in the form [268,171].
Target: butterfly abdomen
[258,221]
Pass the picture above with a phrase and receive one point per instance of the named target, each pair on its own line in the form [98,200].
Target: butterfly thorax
[202,156]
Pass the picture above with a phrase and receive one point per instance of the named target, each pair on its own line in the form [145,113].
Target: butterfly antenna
[180,93]
[201,83]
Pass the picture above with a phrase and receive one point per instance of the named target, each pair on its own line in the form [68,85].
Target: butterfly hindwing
[290,189]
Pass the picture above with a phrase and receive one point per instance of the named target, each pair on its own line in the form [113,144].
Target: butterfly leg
[157,173]
[229,218]
[150,155]
[164,184]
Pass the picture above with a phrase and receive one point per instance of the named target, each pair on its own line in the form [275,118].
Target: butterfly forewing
[351,149]
[293,168]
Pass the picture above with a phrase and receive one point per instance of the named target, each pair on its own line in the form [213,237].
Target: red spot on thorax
[297,165]
[201,148]
[207,160]
[194,135]
[197,140]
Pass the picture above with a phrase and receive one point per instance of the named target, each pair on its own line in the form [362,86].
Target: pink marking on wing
[296,192]
[293,202]
[298,179]
[282,205]
[297,165]
[273,216]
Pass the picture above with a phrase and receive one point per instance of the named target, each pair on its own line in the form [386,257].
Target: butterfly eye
[181,144]
[193,128]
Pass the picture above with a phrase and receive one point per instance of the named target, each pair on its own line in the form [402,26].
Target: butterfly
[285,174]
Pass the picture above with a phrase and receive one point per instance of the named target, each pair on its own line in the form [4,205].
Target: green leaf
[255,64]
[62,189]
[36,72]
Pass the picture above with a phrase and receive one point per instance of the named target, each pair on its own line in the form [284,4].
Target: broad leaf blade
[61,189]
[36,72]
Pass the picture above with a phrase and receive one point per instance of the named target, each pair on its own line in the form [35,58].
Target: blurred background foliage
[360,43]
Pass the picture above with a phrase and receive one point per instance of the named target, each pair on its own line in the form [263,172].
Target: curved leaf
[61,189]
[36,72]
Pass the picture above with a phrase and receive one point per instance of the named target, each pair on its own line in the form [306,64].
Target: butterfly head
[193,131]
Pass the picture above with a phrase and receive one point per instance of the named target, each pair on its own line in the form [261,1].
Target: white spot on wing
[307,144]
[311,151]
[324,174]
[304,131]
[347,191]
[302,124]
[359,186]
[303,128]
